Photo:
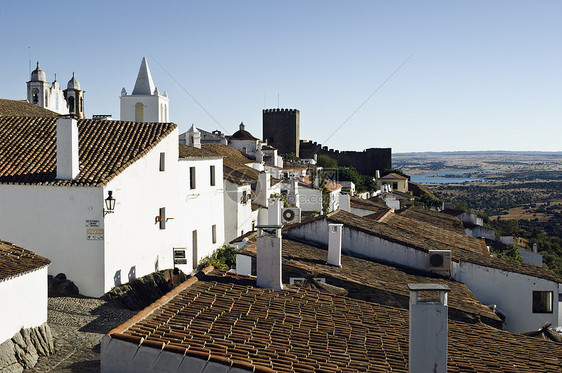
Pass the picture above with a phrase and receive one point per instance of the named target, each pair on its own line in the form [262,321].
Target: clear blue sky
[483,75]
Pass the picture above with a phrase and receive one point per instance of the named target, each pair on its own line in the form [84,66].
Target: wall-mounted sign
[179,256]
[93,223]
[94,234]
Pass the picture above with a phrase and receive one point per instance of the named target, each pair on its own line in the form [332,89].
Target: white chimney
[535,248]
[68,166]
[377,174]
[194,137]
[428,329]
[294,191]
[269,258]
[264,180]
[345,202]
[334,244]
[274,211]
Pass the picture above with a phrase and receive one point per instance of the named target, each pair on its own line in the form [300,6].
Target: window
[212,175]
[71,104]
[214,233]
[162,161]
[191,177]
[244,197]
[394,185]
[139,112]
[542,301]
[194,257]
[35,96]
[162,217]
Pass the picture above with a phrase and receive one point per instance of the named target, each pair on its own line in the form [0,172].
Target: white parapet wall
[27,298]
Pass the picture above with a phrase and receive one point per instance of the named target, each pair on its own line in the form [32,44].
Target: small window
[542,301]
[192,178]
[162,161]
[212,175]
[162,217]
[394,185]
[194,255]
[214,233]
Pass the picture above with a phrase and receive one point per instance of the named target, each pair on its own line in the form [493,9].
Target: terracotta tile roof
[234,164]
[437,219]
[393,176]
[365,204]
[415,234]
[23,108]
[224,318]
[15,261]
[106,148]
[186,151]
[242,135]
[372,281]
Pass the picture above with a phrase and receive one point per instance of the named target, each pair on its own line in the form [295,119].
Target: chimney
[68,166]
[264,180]
[345,202]
[334,244]
[535,248]
[274,211]
[377,174]
[269,258]
[293,191]
[428,329]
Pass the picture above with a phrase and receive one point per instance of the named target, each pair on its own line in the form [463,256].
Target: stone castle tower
[281,129]
[145,104]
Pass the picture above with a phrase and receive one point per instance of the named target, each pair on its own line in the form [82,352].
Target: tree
[290,157]
[324,161]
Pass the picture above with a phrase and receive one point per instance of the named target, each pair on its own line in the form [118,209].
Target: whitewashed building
[23,290]
[145,103]
[203,205]
[56,177]
[526,295]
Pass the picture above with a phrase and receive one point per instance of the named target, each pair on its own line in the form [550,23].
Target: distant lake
[449,177]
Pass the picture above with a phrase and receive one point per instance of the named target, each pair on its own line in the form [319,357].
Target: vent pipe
[428,329]
[68,166]
[334,244]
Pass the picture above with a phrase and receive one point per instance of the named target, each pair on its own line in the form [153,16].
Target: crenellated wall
[365,162]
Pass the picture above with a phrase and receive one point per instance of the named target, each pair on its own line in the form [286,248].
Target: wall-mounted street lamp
[109,204]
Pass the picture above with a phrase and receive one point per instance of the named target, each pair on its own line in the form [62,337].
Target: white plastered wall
[512,293]
[156,108]
[27,297]
[53,222]
[203,206]
[238,216]
[134,243]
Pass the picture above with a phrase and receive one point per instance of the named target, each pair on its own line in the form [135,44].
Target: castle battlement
[366,161]
[288,111]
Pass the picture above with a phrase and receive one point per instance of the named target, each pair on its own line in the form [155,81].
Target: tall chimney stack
[334,244]
[269,258]
[68,166]
[274,211]
[264,180]
[428,329]
[293,191]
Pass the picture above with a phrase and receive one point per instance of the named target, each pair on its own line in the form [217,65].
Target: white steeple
[144,85]
[145,103]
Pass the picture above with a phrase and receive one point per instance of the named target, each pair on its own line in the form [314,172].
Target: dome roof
[242,134]
[38,75]
[73,83]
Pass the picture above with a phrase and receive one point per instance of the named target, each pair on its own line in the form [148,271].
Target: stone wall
[365,162]
[23,350]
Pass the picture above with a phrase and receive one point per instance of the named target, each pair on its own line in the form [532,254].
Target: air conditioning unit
[439,260]
[291,215]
